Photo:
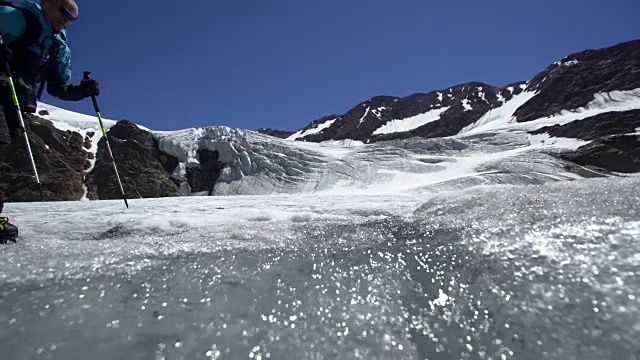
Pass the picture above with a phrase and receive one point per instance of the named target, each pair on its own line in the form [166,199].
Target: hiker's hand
[5,55]
[90,87]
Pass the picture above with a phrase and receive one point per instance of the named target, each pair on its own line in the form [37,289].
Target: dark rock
[204,178]
[620,153]
[168,161]
[60,161]
[571,83]
[142,167]
[609,123]
[282,134]
[195,179]
[87,140]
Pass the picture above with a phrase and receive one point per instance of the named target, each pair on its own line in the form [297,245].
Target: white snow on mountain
[503,114]
[467,105]
[315,130]
[364,116]
[566,63]
[378,112]
[502,119]
[401,125]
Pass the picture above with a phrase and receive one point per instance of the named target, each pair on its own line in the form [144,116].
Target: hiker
[34,47]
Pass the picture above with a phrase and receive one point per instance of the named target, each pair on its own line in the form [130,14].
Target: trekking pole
[16,105]
[87,77]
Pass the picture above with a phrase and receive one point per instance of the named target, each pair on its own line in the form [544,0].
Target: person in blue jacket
[34,45]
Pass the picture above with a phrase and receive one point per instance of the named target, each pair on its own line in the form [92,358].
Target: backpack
[31,36]
[32,30]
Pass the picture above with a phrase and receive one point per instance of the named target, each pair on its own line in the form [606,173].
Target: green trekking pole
[16,105]
[87,77]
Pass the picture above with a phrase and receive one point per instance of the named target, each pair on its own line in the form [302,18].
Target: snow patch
[546,141]
[439,96]
[499,116]
[378,112]
[483,97]
[315,130]
[467,105]
[343,143]
[566,63]
[366,112]
[410,123]
[68,120]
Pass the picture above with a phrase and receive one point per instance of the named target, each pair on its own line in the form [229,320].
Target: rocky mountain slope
[565,85]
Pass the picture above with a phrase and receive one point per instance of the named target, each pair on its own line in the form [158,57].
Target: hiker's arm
[58,79]
[12,24]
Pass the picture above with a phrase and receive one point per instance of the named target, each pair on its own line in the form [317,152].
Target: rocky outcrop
[62,161]
[282,134]
[594,127]
[204,177]
[143,169]
[619,153]
[572,82]
[610,148]
[477,100]
[60,158]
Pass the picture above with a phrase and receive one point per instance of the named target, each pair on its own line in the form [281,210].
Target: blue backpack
[30,37]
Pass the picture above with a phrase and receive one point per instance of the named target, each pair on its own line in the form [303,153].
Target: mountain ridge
[566,84]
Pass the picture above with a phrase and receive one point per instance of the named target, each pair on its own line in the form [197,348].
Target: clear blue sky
[283,63]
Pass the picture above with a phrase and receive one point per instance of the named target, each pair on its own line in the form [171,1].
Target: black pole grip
[86,76]
[95,103]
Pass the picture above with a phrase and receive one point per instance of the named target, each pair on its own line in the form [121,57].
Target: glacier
[482,245]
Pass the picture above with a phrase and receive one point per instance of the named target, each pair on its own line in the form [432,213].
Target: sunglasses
[67,14]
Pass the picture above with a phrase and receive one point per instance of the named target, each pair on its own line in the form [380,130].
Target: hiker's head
[60,12]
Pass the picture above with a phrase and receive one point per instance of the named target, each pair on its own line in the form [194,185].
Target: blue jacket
[27,66]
